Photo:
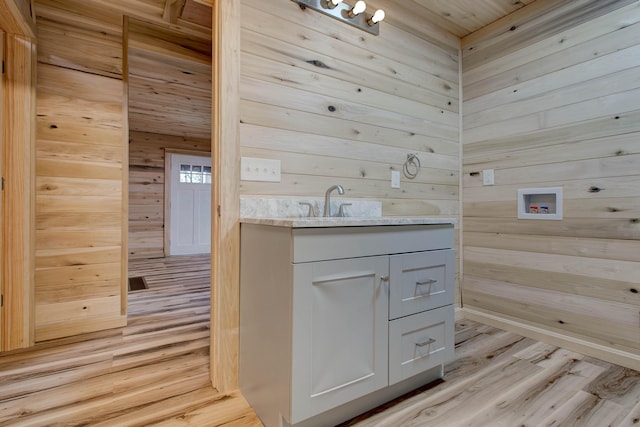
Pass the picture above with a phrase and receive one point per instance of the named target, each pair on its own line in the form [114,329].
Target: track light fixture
[355,16]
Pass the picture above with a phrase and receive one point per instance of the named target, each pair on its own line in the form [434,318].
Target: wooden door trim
[16,17]
[2,309]
[18,159]
[124,259]
[225,240]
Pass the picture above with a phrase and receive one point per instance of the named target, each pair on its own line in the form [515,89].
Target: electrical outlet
[395,179]
[488,177]
[253,169]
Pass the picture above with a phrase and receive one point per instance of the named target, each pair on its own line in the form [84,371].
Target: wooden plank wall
[146,188]
[339,106]
[552,98]
[81,147]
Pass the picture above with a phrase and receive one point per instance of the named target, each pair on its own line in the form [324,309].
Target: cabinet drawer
[420,342]
[327,243]
[421,281]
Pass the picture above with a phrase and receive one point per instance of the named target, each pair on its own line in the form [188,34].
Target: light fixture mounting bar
[341,13]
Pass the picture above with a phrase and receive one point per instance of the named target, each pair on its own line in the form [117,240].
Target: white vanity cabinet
[337,320]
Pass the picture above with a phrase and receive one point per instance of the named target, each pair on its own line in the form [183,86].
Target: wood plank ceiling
[169,71]
[170,95]
[459,17]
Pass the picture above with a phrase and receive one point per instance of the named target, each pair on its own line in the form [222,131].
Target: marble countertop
[346,221]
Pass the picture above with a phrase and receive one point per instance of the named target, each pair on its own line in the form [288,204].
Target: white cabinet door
[340,333]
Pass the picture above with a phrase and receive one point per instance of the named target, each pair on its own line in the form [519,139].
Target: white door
[190,205]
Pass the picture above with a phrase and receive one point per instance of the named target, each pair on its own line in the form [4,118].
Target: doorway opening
[169,75]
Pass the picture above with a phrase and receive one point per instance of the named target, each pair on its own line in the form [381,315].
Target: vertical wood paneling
[146,188]
[555,103]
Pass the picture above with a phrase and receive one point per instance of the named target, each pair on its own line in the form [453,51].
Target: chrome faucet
[327,198]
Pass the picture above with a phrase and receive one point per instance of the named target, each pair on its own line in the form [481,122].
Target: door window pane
[195,174]
[185,173]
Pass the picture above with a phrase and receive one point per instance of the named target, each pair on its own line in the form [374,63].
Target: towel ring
[411,166]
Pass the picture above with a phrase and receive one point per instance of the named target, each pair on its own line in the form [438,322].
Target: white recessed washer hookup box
[540,203]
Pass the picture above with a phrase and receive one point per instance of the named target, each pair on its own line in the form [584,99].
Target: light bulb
[333,3]
[358,8]
[377,17]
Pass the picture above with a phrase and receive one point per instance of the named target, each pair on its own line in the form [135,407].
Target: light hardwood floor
[154,372]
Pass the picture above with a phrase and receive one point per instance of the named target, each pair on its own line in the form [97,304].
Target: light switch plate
[395,179]
[488,177]
[254,169]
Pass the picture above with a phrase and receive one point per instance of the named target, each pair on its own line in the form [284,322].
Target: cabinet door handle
[384,278]
[428,341]
[426,282]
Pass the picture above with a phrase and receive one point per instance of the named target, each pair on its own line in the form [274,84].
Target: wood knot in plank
[594,189]
[319,64]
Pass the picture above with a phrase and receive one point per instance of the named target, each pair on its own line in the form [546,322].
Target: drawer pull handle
[384,278]
[426,282]
[425,342]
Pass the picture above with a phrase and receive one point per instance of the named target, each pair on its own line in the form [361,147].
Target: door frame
[17,261]
[168,154]
[225,226]
[2,309]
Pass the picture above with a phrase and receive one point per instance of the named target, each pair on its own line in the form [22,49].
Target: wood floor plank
[617,384]
[536,397]
[555,394]
[632,418]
